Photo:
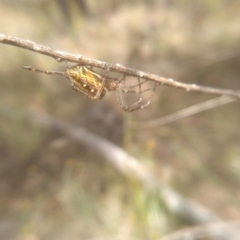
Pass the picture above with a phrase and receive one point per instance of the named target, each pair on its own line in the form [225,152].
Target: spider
[94,85]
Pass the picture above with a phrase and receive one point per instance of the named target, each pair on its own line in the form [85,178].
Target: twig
[214,231]
[127,165]
[182,113]
[130,166]
[77,58]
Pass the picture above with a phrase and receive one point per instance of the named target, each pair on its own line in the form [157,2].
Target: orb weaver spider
[94,85]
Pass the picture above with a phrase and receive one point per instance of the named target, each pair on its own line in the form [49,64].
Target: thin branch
[77,58]
[130,166]
[182,113]
[124,163]
[214,231]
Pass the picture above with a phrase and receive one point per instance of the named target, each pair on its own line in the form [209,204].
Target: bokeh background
[52,187]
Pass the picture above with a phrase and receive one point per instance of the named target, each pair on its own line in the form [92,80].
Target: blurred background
[52,187]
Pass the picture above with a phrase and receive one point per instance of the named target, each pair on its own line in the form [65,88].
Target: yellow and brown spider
[94,85]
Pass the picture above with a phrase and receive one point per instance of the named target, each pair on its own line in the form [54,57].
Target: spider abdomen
[87,82]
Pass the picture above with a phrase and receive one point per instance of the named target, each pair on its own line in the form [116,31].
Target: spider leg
[126,88]
[101,89]
[132,107]
[49,72]
[66,64]
[104,82]
[150,99]
[137,85]
[137,105]
[104,79]
[137,91]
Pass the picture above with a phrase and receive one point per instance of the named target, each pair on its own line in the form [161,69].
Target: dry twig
[77,58]
[186,112]
[191,211]
[130,166]
[214,231]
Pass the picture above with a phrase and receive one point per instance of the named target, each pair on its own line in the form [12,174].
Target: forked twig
[77,58]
